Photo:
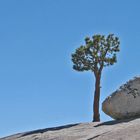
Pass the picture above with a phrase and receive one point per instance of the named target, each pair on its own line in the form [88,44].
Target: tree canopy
[98,52]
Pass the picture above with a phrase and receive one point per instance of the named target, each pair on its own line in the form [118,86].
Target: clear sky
[38,87]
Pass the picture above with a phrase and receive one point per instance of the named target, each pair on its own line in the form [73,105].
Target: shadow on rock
[48,129]
[116,122]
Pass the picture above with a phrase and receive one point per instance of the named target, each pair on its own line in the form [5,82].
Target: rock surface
[112,130]
[125,102]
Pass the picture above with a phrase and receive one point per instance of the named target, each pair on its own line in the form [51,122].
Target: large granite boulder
[125,102]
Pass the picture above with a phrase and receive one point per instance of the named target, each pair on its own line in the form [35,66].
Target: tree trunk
[96,116]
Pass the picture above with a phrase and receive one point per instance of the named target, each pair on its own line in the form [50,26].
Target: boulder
[125,102]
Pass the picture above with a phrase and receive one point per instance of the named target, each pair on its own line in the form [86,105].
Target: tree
[97,53]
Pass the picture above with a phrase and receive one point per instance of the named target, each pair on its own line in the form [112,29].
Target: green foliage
[98,52]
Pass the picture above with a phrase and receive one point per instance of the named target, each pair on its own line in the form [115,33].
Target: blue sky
[38,87]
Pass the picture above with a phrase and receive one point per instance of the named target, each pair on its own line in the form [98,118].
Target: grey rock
[113,130]
[125,102]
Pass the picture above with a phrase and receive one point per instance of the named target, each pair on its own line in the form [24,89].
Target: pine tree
[97,53]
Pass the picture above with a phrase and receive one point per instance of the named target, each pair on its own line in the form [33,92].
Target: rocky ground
[113,130]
